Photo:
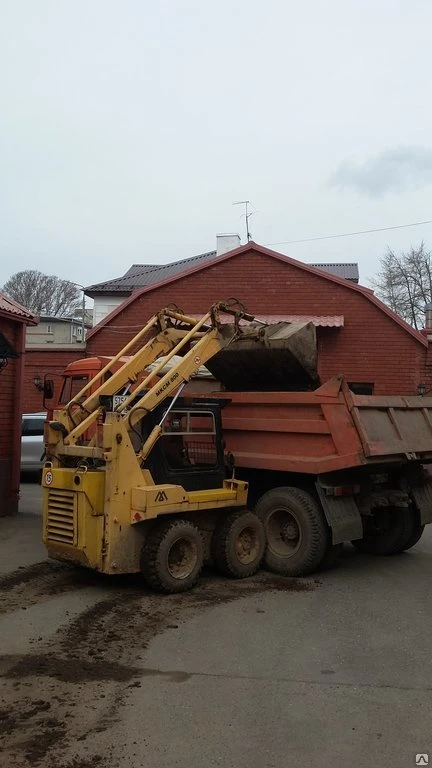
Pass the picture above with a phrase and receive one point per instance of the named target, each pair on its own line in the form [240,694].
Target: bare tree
[404,283]
[43,294]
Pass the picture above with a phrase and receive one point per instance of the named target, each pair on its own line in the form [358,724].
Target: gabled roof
[10,307]
[140,275]
[251,246]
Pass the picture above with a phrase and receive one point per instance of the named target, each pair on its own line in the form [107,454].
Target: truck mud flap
[422,495]
[342,515]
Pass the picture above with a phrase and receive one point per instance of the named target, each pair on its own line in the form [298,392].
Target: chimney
[428,314]
[225,243]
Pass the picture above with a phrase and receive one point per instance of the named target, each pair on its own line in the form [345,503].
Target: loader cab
[190,450]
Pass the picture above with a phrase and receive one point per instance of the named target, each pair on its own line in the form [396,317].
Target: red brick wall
[40,362]
[370,348]
[10,435]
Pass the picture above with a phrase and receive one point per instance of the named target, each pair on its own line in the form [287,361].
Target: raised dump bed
[326,430]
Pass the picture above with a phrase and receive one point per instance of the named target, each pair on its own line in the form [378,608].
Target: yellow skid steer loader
[136,478]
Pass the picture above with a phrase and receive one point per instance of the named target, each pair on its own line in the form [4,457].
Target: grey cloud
[393,170]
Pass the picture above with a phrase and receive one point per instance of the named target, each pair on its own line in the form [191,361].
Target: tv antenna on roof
[247,216]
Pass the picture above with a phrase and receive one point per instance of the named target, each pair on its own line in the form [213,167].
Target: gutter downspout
[17,405]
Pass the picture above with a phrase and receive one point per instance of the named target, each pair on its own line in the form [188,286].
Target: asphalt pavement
[266,673]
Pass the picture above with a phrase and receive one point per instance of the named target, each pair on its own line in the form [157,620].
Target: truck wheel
[296,531]
[386,532]
[416,532]
[172,557]
[238,544]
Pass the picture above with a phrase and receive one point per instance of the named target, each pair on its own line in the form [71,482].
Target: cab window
[189,439]
[71,386]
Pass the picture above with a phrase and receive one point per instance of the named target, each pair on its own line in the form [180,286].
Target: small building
[14,319]
[57,330]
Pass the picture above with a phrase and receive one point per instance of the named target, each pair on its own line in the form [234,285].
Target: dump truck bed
[326,430]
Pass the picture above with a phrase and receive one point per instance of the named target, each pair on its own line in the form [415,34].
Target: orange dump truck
[329,458]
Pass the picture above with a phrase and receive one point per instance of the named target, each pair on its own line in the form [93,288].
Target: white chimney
[225,243]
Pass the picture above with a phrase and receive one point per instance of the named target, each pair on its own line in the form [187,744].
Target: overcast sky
[129,127]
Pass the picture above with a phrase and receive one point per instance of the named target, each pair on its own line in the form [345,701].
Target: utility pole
[83,309]
[247,216]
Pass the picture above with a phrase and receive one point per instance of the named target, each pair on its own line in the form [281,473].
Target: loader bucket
[268,358]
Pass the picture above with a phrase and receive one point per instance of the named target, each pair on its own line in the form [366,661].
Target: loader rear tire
[296,531]
[172,557]
[238,545]
[386,532]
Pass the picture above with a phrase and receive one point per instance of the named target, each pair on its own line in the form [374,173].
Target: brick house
[357,334]
[13,322]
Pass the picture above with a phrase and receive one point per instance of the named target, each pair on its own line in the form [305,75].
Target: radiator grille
[61,516]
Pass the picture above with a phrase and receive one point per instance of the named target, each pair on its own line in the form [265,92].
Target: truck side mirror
[48,389]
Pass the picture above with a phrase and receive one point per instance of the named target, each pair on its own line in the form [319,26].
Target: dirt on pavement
[73,682]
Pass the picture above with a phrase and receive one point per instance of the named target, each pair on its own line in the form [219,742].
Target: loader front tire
[238,545]
[296,531]
[172,557]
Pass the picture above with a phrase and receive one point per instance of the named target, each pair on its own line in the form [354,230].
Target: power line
[350,234]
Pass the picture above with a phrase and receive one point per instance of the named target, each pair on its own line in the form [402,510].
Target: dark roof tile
[142,275]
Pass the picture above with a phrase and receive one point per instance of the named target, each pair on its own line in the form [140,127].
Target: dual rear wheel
[390,531]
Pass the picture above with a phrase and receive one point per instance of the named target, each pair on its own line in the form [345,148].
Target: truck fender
[422,495]
[342,515]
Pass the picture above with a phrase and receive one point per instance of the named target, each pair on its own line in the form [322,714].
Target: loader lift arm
[173,333]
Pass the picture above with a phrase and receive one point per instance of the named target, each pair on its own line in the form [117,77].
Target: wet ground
[329,671]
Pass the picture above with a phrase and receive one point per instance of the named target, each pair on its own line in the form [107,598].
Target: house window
[50,329]
[79,332]
[361,388]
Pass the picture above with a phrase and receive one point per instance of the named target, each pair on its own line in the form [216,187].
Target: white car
[32,442]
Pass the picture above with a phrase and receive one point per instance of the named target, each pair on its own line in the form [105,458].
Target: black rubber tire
[390,540]
[331,557]
[172,538]
[229,553]
[296,531]
[416,532]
